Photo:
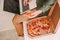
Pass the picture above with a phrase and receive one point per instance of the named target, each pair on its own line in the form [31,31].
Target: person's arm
[47,5]
[42,10]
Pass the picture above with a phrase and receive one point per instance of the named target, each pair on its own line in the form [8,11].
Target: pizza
[28,13]
[34,26]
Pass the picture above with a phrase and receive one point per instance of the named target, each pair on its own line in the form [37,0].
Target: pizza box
[52,17]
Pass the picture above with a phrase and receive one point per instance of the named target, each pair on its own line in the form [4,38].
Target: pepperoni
[33,23]
[45,28]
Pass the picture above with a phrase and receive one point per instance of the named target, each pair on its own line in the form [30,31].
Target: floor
[9,35]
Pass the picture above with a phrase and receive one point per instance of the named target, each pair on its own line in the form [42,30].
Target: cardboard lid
[52,9]
[54,14]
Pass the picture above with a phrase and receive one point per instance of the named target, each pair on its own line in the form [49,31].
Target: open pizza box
[52,18]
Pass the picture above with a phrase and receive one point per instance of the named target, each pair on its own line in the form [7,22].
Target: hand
[34,14]
[25,2]
[31,14]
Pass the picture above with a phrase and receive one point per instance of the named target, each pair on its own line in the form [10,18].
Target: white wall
[5,19]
